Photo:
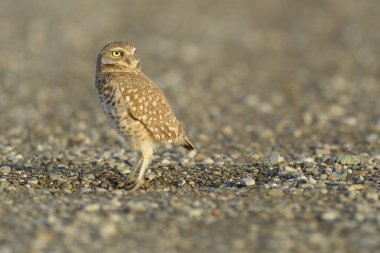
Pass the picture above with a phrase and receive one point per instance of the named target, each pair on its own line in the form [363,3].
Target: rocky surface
[281,99]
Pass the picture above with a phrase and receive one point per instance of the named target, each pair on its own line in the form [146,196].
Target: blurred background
[249,75]
[284,87]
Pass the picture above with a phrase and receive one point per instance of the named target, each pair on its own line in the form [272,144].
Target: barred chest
[116,110]
[113,105]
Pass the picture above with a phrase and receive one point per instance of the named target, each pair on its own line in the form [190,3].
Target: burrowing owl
[135,106]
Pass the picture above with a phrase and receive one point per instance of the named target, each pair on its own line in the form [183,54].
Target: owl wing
[146,103]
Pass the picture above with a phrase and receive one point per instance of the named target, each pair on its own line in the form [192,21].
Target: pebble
[290,169]
[373,196]
[33,181]
[89,177]
[204,159]
[348,159]
[276,192]
[275,158]
[372,138]
[311,180]
[57,177]
[308,160]
[92,207]
[195,213]
[165,162]
[302,179]
[192,154]
[330,215]
[123,169]
[4,184]
[108,230]
[248,181]
[5,170]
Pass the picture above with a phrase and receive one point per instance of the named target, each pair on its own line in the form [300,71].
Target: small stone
[312,180]
[328,171]
[5,170]
[265,134]
[275,158]
[137,206]
[350,121]
[108,230]
[265,108]
[151,176]
[248,181]
[89,177]
[86,190]
[307,118]
[355,187]
[195,213]
[67,186]
[347,159]
[208,160]
[79,138]
[317,239]
[290,169]
[123,169]
[217,212]
[252,100]
[276,192]
[56,177]
[373,196]
[33,181]
[182,182]
[204,159]
[309,160]
[227,130]
[372,138]
[302,179]
[330,215]
[4,184]
[165,162]
[92,207]
[192,154]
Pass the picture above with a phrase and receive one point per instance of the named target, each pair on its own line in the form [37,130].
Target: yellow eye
[116,53]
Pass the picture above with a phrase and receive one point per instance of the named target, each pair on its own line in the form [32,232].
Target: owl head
[118,56]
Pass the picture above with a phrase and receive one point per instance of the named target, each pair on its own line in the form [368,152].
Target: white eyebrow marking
[116,48]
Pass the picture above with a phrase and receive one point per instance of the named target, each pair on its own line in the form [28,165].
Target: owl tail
[186,143]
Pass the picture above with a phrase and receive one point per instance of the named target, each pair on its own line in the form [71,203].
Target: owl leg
[135,167]
[147,154]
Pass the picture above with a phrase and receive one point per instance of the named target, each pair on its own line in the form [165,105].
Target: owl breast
[116,110]
[113,106]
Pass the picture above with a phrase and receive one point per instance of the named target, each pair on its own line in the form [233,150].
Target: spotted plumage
[135,105]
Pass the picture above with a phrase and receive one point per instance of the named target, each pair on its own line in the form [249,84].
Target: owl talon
[129,183]
[134,186]
[130,179]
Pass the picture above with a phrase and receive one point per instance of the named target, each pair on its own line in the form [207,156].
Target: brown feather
[188,145]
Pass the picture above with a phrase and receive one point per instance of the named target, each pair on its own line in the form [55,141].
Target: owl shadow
[203,176]
[91,176]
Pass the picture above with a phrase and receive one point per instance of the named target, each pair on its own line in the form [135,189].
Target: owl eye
[116,53]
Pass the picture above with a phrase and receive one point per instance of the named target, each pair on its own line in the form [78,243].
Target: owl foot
[133,186]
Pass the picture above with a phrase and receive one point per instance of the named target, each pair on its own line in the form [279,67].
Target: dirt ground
[281,98]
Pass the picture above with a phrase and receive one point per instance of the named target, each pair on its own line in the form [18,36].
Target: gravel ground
[282,99]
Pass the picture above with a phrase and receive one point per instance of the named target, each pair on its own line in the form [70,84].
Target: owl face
[119,55]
